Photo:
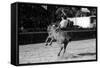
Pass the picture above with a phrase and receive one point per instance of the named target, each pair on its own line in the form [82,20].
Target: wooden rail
[64,31]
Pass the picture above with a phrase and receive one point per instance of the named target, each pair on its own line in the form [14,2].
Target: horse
[61,37]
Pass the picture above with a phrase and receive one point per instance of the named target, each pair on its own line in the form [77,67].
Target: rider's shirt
[63,23]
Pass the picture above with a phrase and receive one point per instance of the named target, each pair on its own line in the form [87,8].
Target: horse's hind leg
[65,45]
[60,51]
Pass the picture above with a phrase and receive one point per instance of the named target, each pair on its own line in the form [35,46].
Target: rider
[63,23]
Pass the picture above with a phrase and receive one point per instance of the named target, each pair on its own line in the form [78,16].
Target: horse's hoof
[50,45]
[46,44]
[58,54]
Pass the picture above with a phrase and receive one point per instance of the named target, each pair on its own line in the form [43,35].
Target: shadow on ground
[77,56]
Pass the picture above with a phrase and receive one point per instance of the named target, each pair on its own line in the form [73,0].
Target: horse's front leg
[47,41]
[51,41]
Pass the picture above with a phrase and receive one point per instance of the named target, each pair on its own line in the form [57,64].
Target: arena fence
[40,37]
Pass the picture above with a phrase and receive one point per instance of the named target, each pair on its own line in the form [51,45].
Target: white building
[84,22]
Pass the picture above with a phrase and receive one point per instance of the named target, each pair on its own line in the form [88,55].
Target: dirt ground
[76,50]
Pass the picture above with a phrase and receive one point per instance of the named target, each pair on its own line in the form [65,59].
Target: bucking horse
[60,36]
